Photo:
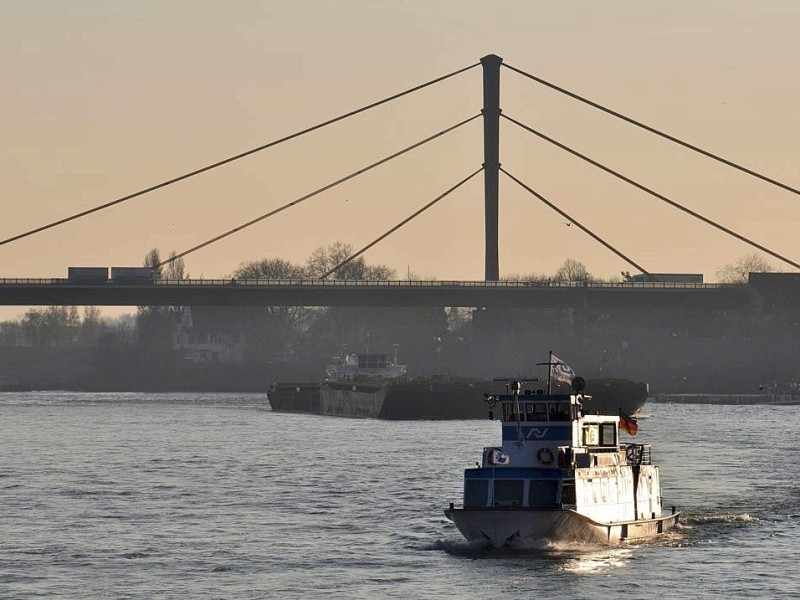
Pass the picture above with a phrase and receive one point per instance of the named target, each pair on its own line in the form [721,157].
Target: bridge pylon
[491,159]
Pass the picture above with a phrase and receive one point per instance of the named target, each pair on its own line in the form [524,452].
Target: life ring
[545,455]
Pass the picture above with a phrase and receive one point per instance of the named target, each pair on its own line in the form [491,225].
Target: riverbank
[130,370]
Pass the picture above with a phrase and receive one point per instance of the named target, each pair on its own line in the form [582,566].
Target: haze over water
[215,496]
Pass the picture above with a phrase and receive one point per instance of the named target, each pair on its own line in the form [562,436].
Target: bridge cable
[654,193]
[234,158]
[656,131]
[399,225]
[318,191]
[581,227]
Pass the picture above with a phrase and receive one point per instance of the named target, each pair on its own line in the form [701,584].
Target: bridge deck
[208,292]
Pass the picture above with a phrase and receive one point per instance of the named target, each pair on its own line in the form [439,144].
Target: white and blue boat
[560,475]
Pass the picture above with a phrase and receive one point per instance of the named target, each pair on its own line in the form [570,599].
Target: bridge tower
[491,158]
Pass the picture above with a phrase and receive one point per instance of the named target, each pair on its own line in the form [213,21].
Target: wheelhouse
[545,438]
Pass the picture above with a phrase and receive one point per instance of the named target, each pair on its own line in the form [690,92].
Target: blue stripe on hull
[512,473]
[534,433]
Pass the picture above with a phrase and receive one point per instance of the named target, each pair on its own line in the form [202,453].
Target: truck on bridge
[668,278]
[132,274]
[87,274]
[118,274]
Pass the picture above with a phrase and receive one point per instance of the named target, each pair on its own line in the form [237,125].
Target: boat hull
[610,396]
[294,397]
[736,399]
[510,527]
[352,399]
[432,398]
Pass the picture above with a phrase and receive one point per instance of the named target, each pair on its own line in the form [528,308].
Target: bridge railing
[394,283]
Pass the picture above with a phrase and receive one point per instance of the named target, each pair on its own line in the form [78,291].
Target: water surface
[215,496]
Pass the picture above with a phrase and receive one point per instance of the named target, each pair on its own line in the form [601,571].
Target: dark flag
[628,424]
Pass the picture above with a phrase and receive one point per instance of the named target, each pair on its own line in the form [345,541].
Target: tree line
[266,332]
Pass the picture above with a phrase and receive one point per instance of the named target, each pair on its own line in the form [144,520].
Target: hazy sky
[101,99]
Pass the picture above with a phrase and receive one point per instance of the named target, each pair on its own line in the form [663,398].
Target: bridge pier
[491,159]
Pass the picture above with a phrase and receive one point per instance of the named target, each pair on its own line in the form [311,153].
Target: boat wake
[727,518]
[541,548]
[458,547]
[554,556]
[697,529]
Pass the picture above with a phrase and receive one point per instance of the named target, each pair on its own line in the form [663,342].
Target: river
[215,496]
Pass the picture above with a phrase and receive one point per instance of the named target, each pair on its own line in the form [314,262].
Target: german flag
[628,424]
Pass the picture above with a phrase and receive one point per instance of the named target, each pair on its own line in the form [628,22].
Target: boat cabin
[354,367]
[554,456]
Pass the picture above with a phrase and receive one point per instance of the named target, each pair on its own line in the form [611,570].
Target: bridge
[337,292]
[325,289]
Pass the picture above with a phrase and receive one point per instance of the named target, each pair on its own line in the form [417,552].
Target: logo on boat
[535,433]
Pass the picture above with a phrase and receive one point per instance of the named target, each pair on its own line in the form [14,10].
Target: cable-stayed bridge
[326,289]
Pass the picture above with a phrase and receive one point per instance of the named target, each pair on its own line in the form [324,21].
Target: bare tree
[532,277]
[92,326]
[379,273]
[153,260]
[739,271]
[52,326]
[125,327]
[572,270]
[176,268]
[267,331]
[11,334]
[323,259]
[269,268]
[154,323]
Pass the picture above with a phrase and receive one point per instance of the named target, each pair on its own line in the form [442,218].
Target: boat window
[559,411]
[476,492]
[608,434]
[372,361]
[542,492]
[540,411]
[509,411]
[591,435]
[508,490]
[568,492]
[529,415]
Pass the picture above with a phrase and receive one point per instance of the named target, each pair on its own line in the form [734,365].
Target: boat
[355,385]
[560,475]
[402,398]
[434,397]
[373,385]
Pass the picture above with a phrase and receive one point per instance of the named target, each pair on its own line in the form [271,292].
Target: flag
[561,370]
[628,424]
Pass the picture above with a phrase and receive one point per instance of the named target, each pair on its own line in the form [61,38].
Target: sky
[101,99]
